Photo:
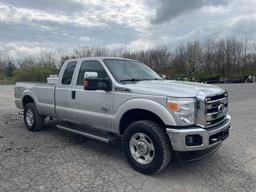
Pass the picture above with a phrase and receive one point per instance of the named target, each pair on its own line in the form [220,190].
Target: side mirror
[90,75]
[93,83]
[163,76]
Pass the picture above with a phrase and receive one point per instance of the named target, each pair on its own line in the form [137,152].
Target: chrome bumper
[178,136]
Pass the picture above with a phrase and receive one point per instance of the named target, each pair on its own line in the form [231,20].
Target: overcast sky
[28,26]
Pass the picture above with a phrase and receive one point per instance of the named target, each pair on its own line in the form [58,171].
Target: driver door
[91,107]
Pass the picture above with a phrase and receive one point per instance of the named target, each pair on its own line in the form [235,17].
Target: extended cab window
[68,73]
[91,66]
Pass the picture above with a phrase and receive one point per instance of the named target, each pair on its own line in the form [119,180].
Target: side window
[68,73]
[91,66]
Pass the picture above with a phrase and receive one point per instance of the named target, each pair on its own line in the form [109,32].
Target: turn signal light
[173,106]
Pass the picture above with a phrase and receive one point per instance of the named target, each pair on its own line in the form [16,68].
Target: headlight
[184,109]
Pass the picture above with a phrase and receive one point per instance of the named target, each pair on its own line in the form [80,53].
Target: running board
[103,137]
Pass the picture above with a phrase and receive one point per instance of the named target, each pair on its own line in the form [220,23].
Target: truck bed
[42,94]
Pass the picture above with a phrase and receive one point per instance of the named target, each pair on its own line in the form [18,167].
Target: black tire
[160,140]
[38,122]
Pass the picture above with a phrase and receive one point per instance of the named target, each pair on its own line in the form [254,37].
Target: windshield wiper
[134,79]
[153,79]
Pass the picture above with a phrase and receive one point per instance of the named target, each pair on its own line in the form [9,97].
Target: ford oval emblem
[221,108]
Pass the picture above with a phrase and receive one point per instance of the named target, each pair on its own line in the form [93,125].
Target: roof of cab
[99,58]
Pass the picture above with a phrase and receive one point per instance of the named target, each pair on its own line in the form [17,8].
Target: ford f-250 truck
[102,98]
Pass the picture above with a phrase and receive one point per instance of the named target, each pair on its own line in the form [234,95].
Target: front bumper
[210,137]
[18,103]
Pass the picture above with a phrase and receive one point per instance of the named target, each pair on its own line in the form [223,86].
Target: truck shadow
[177,167]
[109,158]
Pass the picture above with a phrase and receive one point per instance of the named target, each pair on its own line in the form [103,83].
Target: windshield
[126,70]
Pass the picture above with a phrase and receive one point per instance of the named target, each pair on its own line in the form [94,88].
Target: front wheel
[32,119]
[147,147]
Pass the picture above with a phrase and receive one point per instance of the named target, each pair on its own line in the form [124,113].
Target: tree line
[227,58]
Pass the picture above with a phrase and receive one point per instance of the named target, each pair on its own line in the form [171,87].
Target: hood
[171,88]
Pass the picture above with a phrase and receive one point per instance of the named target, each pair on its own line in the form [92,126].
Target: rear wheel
[147,147]
[32,119]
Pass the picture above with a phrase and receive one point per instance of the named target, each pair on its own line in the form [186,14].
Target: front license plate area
[221,136]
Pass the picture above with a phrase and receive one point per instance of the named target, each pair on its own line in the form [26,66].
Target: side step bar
[106,138]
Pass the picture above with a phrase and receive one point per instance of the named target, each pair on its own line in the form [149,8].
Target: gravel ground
[50,161]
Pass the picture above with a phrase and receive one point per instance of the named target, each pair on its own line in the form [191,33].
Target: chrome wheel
[142,148]
[29,117]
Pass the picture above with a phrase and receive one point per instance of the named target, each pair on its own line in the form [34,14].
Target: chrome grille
[216,109]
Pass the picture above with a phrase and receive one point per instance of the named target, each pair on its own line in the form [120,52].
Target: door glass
[68,73]
[91,66]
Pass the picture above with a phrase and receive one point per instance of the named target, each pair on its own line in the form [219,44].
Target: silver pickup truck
[106,98]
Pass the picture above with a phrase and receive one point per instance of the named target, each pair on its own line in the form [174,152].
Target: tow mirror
[90,75]
[92,82]
[164,76]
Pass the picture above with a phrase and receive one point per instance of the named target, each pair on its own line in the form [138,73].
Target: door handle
[104,109]
[73,94]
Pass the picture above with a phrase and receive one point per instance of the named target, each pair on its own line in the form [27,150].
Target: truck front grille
[216,108]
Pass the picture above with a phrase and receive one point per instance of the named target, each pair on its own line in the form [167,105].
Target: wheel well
[27,99]
[136,115]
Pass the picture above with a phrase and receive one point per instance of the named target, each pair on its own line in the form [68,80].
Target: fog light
[193,140]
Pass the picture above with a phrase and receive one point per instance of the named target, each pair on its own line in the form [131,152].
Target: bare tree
[229,58]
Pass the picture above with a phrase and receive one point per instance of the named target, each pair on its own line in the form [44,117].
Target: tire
[147,133]
[32,119]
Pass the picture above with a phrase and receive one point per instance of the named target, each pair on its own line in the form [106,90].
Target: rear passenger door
[91,107]
[64,90]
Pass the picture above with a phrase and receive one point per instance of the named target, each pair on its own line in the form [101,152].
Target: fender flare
[145,104]
[30,94]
